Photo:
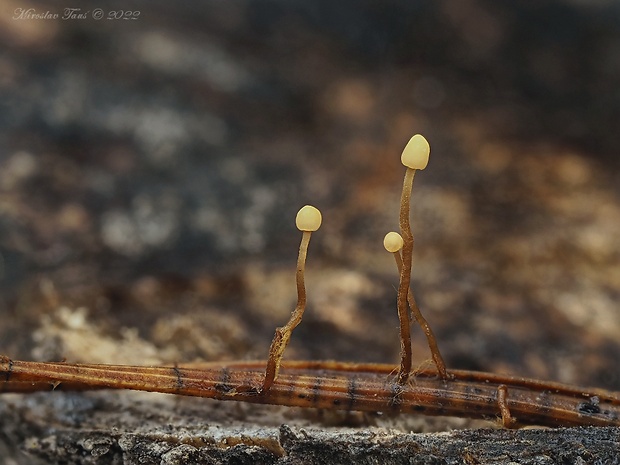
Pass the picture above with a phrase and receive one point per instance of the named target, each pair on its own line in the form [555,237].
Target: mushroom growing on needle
[308,220]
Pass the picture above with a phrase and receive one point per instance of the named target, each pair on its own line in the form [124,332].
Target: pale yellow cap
[308,218]
[393,242]
[416,152]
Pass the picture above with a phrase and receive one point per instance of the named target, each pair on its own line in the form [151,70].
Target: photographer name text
[69,14]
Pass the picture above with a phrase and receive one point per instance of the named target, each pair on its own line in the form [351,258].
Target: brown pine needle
[337,386]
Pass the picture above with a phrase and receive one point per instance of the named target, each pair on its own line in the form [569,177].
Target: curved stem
[405,277]
[430,336]
[283,334]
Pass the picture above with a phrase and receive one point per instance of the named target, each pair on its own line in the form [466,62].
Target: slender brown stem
[502,402]
[283,334]
[430,336]
[405,277]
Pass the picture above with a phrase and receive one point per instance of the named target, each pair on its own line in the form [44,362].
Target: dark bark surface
[133,429]
[151,169]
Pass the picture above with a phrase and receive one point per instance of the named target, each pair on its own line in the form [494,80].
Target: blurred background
[152,163]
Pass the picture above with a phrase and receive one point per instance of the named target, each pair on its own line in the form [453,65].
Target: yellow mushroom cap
[416,152]
[393,242]
[308,218]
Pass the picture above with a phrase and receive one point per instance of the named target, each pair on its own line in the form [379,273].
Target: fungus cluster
[414,157]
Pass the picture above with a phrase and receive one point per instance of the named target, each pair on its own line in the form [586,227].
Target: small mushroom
[308,219]
[416,152]
[414,157]
[393,242]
